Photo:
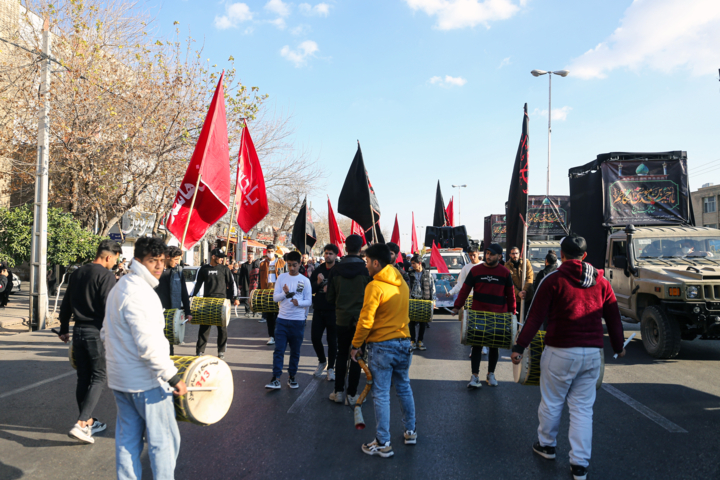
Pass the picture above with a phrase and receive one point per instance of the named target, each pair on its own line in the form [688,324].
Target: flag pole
[232,209]
[522,265]
[372,216]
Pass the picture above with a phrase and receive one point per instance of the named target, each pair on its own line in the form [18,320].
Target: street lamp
[459,187]
[537,73]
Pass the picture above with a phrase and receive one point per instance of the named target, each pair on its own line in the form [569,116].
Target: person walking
[346,291]
[473,253]
[217,282]
[522,290]
[5,294]
[141,374]
[383,325]
[85,300]
[248,279]
[270,269]
[493,291]
[171,286]
[323,319]
[422,287]
[575,299]
[294,293]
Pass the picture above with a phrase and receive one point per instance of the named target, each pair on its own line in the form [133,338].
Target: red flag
[395,237]
[449,212]
[250,193]
[356,229]
[210,161]
[414,247]
[336,236]
[437,261]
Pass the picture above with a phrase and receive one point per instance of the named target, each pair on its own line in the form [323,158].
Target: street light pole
[459,187]
[537,73]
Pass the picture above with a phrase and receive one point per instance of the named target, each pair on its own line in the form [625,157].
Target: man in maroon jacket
[492,288]
[574,298]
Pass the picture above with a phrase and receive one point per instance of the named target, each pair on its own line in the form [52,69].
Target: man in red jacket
[574,298]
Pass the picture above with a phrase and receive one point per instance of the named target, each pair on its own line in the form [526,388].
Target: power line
[697,167]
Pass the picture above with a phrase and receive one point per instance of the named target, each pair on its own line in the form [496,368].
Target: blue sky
[434,89]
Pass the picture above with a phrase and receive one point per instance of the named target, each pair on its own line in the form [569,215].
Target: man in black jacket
[394,253]
[324,314]
[422,287]
[217,281]
[248,279]
[346,290]
[84,300]
[171,289]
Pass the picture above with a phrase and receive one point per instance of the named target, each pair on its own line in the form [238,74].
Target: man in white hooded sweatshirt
[140,372]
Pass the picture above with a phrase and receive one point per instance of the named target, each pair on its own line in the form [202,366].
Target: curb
[13,321]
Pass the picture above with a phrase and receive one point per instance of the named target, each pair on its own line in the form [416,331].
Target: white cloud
[321,9]
[279,23]
[453,14]
[235,14]
[279,7]
[505,62]
[658,34]
[559,114]
[448,81]
[300,55]
[300,30]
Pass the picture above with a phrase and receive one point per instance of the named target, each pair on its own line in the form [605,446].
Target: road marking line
[305,396]
[651,414]
[37,384]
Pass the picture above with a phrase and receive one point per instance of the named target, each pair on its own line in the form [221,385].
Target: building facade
[705,203]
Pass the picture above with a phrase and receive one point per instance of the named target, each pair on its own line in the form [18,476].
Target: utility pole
[38,248]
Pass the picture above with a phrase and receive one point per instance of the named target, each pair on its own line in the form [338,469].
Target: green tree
[68,241]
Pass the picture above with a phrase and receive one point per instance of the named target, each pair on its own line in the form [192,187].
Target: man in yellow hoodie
[383,325]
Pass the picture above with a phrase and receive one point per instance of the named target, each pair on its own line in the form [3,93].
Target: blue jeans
[287,332]
[389,363]
[152,413]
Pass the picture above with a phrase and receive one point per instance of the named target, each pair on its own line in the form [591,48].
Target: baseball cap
[495,248]
[218,253]
[573,245]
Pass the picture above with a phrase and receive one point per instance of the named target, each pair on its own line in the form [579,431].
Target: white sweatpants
[572,374]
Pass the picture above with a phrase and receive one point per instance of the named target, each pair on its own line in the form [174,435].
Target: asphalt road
[653,419]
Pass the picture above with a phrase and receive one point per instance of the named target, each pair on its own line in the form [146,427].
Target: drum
[261,301]
[210,311]
[175,326]
[71,357]
[468,302]
[213,381]
[527,372]
[487,329]
[421,310]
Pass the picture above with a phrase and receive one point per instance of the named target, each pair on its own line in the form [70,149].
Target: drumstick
[449,311]
[201,389]
[625,344]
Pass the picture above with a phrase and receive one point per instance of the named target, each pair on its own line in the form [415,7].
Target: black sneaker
[274,384]
[545,452]
[292,383]
[579,473]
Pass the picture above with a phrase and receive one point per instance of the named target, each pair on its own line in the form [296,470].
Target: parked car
[190,274]
[16,284]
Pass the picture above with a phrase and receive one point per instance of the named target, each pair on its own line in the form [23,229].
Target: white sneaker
[491,380]
[320,369]
[84,434]
[376,448]
[485,350]
[274,384]
[337,397]
[271,341]
[474,382]
[330,374]
[352,400]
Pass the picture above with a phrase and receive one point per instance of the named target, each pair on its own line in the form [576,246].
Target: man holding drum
[493,291]
[171,289]
[141,374]
[575,299]
[270,269]
[217,281]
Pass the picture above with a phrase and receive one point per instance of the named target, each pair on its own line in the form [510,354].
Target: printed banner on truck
[548,215]
[645,192]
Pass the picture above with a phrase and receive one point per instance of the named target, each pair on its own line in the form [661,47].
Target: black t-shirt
[218,282]
[85,297]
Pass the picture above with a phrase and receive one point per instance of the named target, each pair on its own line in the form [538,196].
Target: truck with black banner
[634,210]
[547,219]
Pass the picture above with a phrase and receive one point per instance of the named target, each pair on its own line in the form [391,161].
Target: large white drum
[210,389]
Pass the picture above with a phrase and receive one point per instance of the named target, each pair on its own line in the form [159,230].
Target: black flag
[357,198]
[303,234]
[518,196]
[440,215]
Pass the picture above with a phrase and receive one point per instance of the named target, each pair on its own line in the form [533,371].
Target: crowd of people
[360,303]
